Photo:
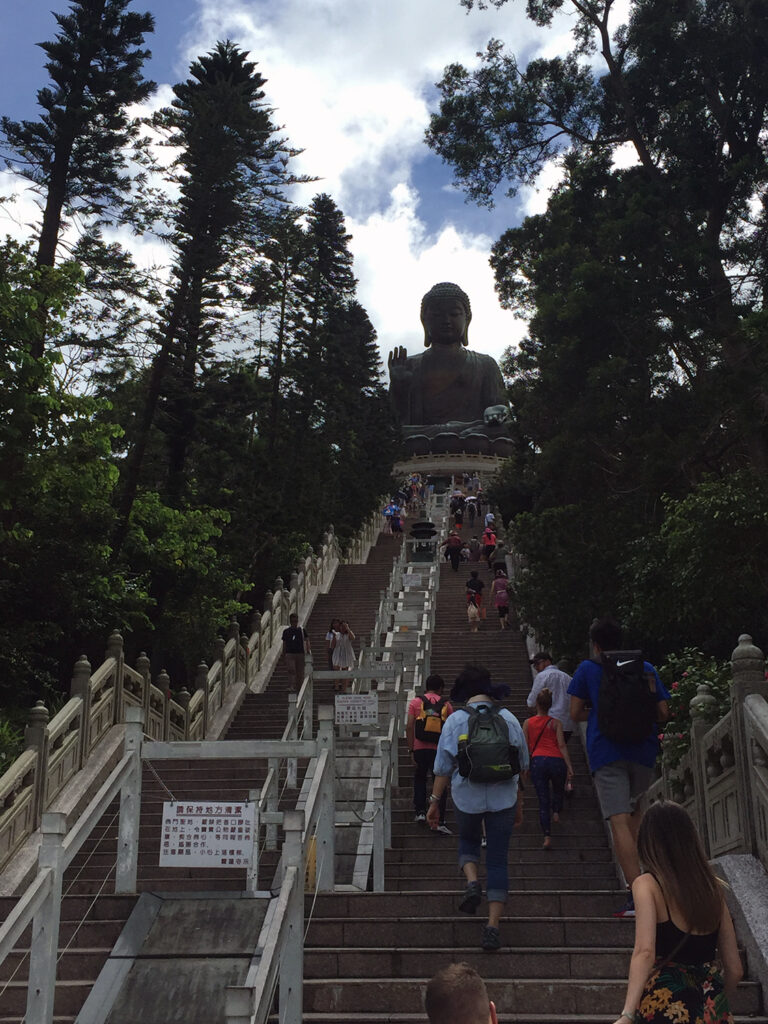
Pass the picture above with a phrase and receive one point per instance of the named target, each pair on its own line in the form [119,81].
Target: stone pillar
[326,824]
[256,645]
[748,667]
[81,687]
[36,738]
[144,668]
[130,807]
[163,683]
[115,650]
[184,697]
[698,707]
[201,683]
[292,960]
[43,954]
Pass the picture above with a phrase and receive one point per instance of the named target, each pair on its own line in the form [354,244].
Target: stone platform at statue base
[449,464]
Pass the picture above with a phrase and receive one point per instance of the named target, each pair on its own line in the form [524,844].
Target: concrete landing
[175,959]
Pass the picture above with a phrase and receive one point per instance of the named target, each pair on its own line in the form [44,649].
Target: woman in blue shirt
[494,805]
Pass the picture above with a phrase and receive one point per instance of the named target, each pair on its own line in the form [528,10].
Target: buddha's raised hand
[397,361]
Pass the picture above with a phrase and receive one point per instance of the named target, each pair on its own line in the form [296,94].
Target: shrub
[682,674]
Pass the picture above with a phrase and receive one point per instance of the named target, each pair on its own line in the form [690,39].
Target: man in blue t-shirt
[622,771]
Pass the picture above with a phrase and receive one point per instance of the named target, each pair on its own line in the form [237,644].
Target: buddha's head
[445,315]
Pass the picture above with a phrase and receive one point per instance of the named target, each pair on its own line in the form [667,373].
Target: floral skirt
[684,994]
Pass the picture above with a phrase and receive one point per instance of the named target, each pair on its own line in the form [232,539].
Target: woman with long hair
[550,763]
[681,925]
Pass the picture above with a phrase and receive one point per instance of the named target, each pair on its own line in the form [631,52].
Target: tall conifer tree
[75,153]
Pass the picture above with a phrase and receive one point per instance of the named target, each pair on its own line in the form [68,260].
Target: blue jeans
[498,832]
[546,770]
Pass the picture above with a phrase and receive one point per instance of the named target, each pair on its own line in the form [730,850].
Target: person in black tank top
[681,925]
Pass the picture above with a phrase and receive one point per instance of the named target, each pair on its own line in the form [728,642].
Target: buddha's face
[445,321]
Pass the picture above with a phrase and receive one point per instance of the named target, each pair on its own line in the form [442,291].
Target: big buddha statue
[449,399]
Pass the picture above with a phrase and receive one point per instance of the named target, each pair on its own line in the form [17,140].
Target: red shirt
[542,736]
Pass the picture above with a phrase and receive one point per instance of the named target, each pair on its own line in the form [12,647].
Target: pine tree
[75,153]
[231,169]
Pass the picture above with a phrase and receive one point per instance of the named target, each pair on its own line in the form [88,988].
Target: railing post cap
[53,823]
[115,639]
[293,821]
[701,701]
[134,716]
[746,650]
[326,713]
[39,714]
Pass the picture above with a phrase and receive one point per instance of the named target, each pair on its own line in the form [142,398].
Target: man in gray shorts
[622,771]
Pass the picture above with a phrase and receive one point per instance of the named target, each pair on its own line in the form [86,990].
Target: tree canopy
[643,374]
[219,413]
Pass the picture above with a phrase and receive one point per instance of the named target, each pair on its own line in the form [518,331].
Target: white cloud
[352,81]
[397,262]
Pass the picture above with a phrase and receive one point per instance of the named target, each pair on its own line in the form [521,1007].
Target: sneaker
[473,896]
[628,910]
[443,830]
[491,939]
[420,817]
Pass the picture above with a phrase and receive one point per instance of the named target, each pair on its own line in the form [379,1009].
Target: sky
[353,84]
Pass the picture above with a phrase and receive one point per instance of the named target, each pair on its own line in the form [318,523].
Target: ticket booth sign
[207,835]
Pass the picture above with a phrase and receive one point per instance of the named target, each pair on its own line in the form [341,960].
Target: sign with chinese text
[357,709]
[201,834]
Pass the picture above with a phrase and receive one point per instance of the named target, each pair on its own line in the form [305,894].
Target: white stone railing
[311,825]
[723,779]
[58,749]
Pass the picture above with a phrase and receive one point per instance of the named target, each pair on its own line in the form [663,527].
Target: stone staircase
[565,958]
[91,921]
[369,955]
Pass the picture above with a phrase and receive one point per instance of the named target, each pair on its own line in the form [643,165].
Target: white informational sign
[411,579]
[200,834]
[357,709]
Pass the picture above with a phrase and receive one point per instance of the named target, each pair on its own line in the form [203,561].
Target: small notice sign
[357,709]
[207,835]
[411,579]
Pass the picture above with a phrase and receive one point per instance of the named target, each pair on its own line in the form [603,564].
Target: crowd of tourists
[685,964]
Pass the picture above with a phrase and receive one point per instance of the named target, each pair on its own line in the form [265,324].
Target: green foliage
[641,392]
[701,579]
[11,743]
[568,579]
[682,674]
[166,451]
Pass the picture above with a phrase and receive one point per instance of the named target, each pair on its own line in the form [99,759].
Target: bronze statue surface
[449,399]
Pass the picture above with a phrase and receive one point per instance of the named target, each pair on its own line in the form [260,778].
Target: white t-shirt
[558,682]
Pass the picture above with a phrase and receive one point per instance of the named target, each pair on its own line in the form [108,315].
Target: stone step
[543,995]
[523,844]
[436,903]
[504,1018]
[77,935]
[527,962]
[79,964]
[464,930]
[538,869]
[443,851]
[68,999]
[529,882]
[74,908]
